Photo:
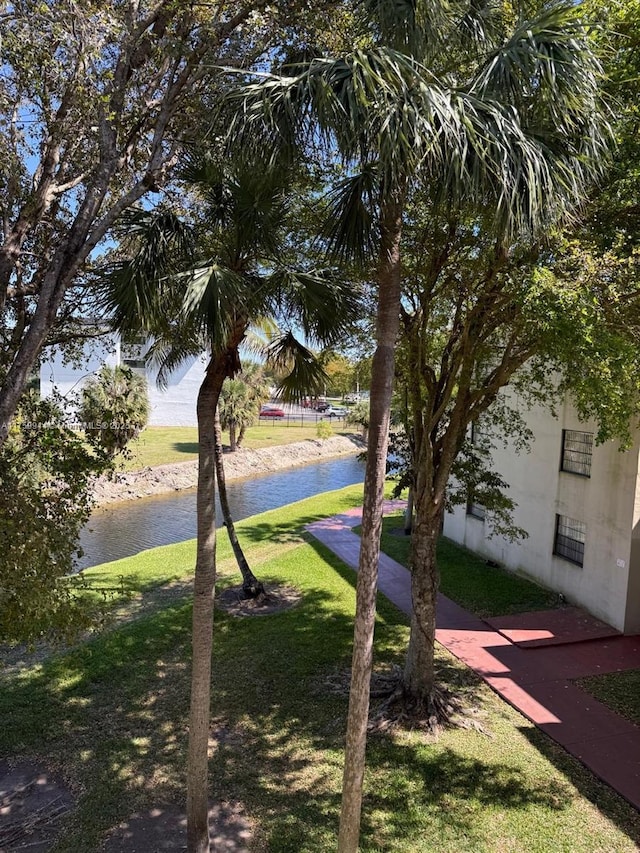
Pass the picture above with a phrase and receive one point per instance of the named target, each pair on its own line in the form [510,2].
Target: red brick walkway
[537,681]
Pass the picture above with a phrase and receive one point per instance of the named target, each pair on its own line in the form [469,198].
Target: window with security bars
[477,432]
[569,539]
[133,351]
[476,510]
[577,451]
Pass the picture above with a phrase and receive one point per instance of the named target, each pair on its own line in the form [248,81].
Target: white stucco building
[580,504]
[173,406]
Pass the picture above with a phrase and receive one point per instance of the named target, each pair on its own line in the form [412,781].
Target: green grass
[111,715]
[619,691]
[161,445]
[468,580]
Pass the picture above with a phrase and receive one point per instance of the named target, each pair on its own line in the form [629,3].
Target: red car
[271,412]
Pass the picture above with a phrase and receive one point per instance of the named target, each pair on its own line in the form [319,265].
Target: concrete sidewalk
[537,681]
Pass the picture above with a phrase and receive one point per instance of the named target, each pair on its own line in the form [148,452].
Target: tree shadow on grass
[286,530]
[610,803]
[450,791]
[114,714]
[111,713]
[191,447]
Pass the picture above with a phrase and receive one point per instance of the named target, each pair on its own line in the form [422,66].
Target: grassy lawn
[160,445]
[468,580]
[112,716]
[619,691]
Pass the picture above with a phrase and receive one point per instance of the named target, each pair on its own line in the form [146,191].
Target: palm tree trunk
[226,363]
[202,623]
[251,586]
[233,444]
[381,387]
[241,435]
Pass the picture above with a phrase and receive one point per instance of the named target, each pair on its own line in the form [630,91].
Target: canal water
[125,529]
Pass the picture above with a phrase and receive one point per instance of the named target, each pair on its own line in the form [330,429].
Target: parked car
[336,412]
[271,412]
[352,398]
[322,407]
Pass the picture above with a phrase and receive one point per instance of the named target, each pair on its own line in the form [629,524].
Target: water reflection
[125,529]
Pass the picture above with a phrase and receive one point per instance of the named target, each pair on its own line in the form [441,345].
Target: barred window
[569,539]
[133,351]
[476,510]
[477,432]
[577,451]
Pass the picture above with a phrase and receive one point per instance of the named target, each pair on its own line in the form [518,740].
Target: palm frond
[350,221]
[334,103]
[534,99]
[166,354]
[321,304]
[214,297]
[409,26]
[261,333]
[526,182]
[136,291]
[302,373]
[546,69]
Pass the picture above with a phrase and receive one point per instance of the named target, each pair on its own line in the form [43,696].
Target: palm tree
[199,288]
[445,96]
[251,586]
[238,409]
[254,378]
[114,407]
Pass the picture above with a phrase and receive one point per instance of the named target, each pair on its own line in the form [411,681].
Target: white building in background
[173,406]
[580,504]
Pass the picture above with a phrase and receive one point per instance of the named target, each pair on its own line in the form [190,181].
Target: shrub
[114,408]
[45,497]
[324,429]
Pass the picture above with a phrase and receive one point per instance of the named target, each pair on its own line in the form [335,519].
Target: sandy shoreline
[131,485]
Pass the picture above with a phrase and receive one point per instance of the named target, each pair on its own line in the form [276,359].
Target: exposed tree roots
[253,589]
[393,709]
[278,597]
[443,708]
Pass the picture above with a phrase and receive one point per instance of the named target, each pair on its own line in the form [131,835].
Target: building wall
[604,501]
[67,378]
[632,615]
[174,405]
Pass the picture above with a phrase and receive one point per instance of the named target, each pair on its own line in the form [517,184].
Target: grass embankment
[489,591]
[112,714]
[162,445]
[468,579]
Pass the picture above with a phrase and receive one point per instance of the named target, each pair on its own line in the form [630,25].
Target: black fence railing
[306,419]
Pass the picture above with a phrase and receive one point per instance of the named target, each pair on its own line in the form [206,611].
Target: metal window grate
[476,510]
[569,539]
[577,452]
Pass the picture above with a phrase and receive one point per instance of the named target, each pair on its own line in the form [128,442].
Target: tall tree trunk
[251,586]
[241,435]
[233,444]
[202,626]
[67,260]
[408,516]
[419,672]
[382,373]
[433,463]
